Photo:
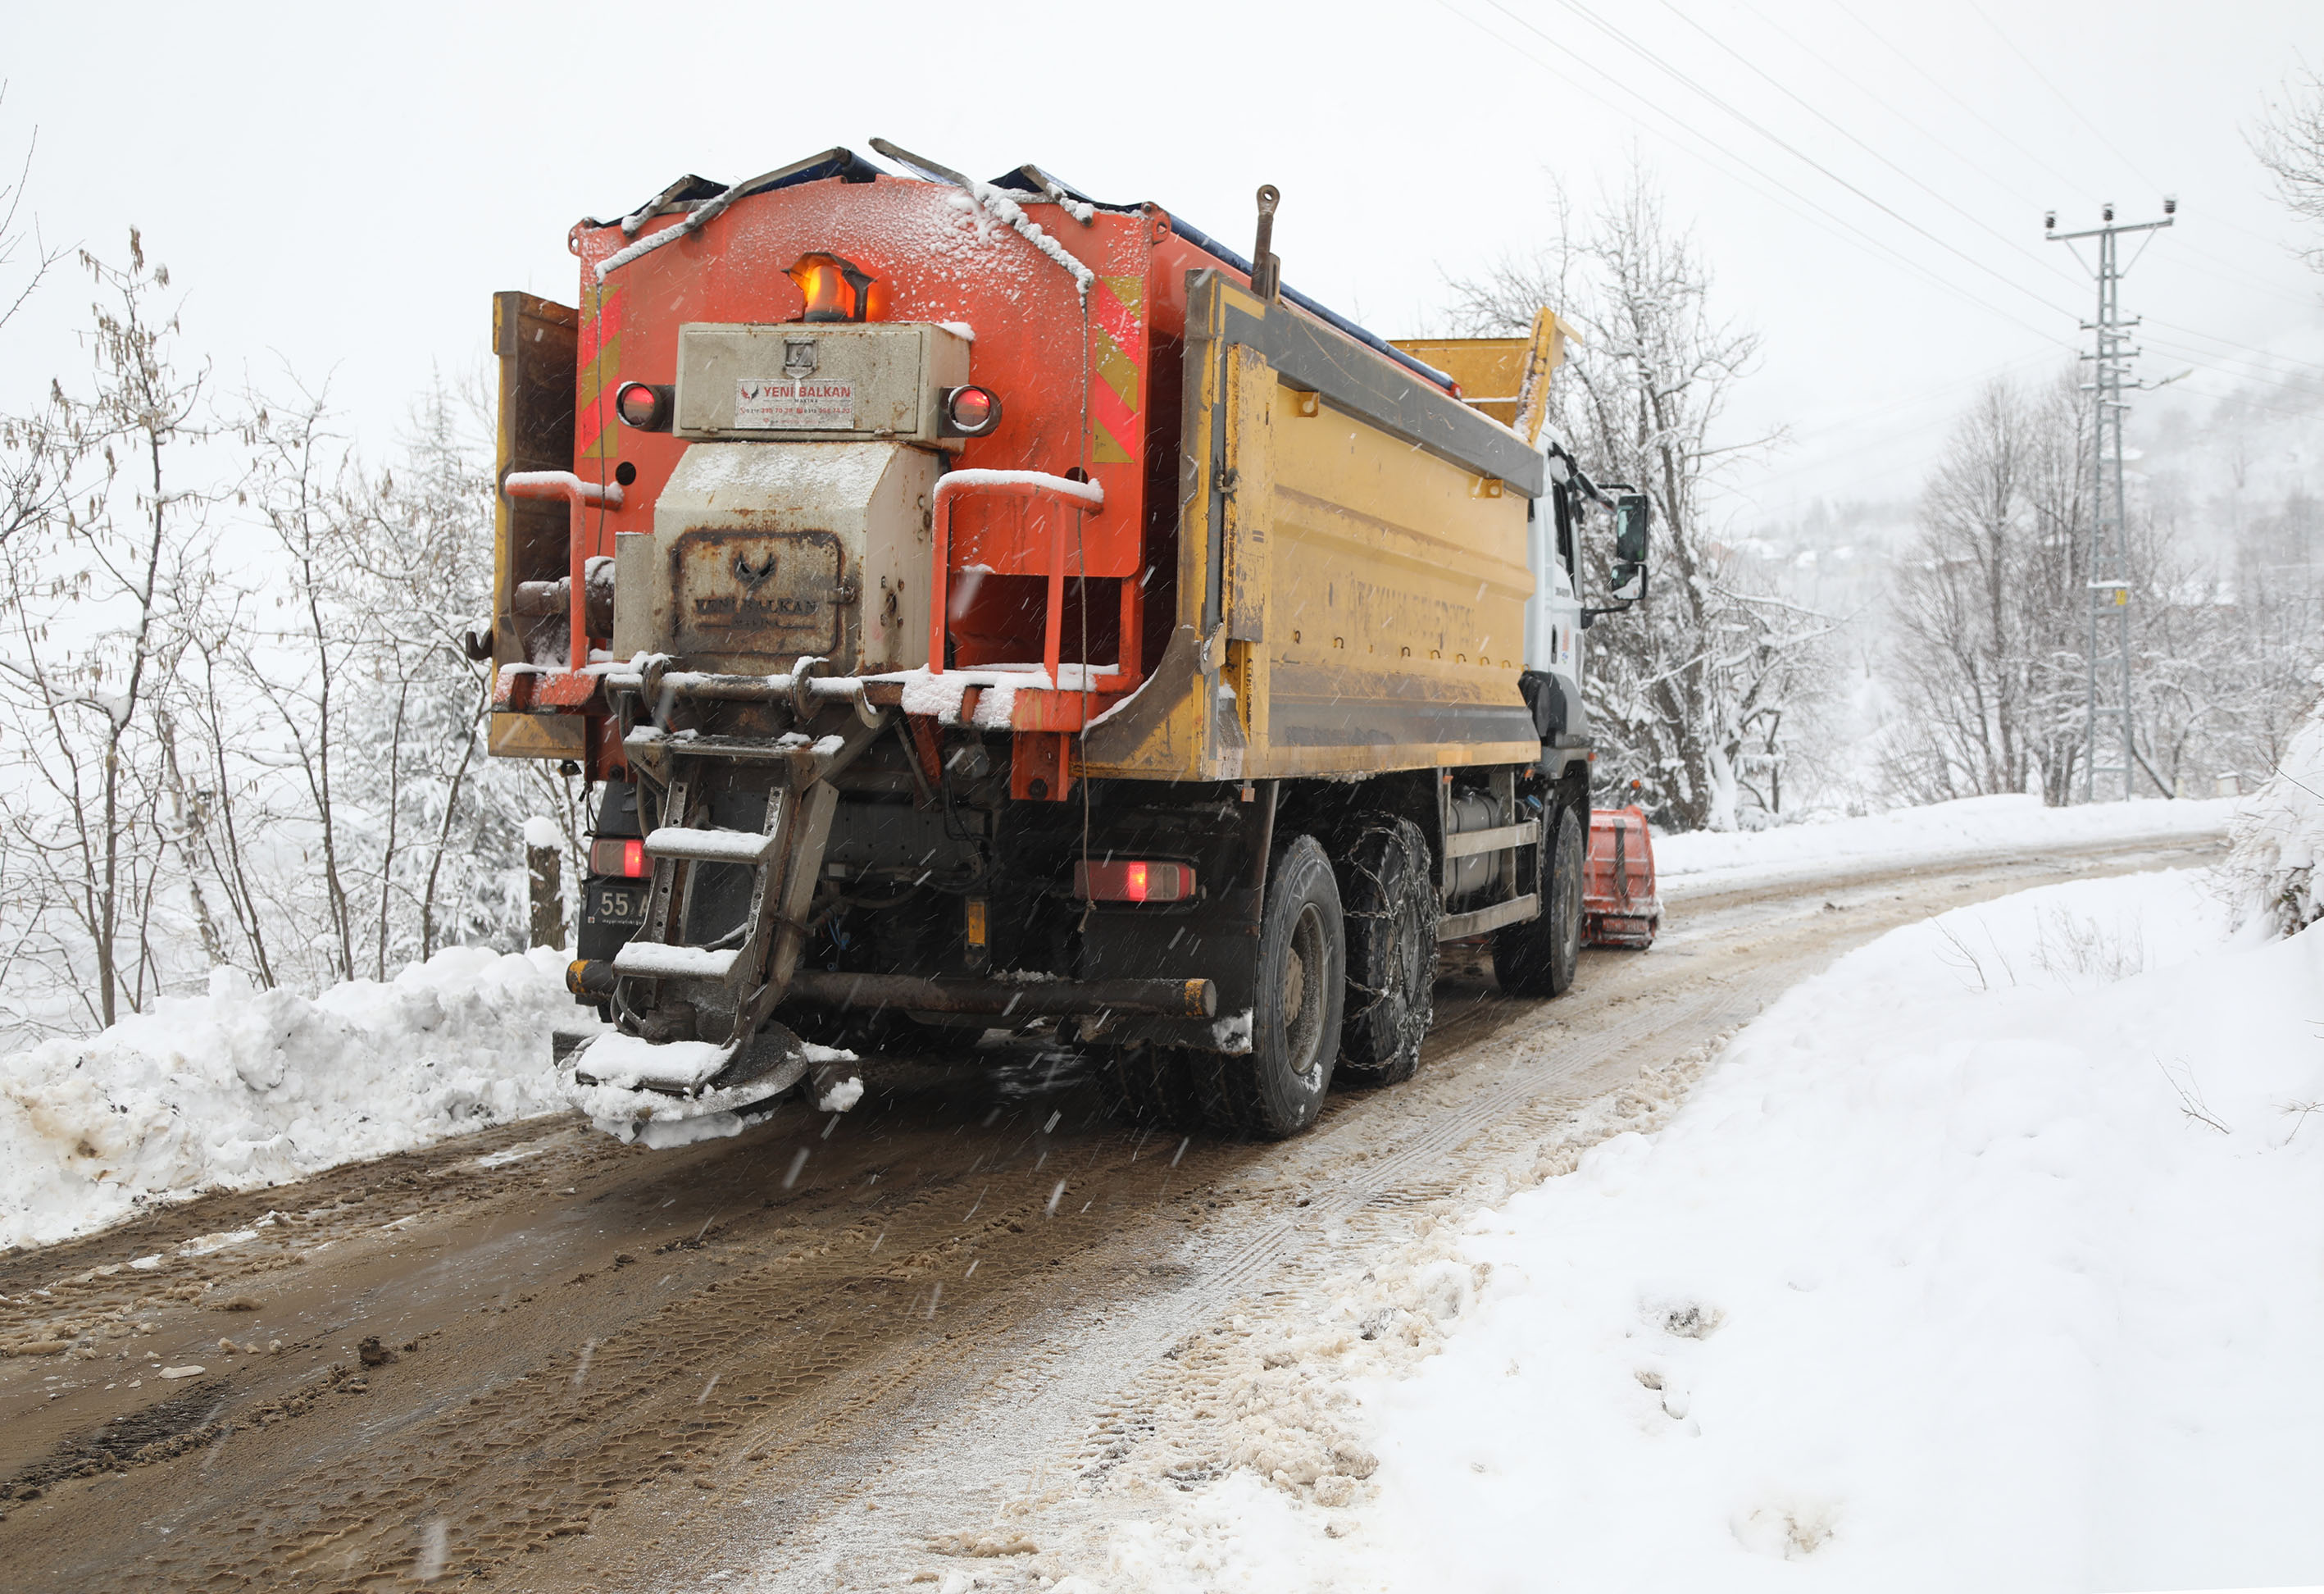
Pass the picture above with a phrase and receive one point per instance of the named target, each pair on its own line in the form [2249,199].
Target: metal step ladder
[676,990]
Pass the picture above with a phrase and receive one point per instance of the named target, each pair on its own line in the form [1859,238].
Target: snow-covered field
[242,1088]
[1992,1257]
[1707,860]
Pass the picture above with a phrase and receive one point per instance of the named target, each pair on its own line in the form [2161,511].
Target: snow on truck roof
[692,194]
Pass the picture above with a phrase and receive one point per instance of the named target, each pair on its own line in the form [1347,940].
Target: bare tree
[223,795]
[1989,606]
[1991,619]
[2227,662]
[2289,142]
[1690,701]
[2279,599]
[415,584]
[298,466]
[274,761]
[31,485]
[99,590]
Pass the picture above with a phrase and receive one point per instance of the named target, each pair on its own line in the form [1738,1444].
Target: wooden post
[544,868]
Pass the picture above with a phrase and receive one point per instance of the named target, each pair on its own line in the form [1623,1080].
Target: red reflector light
[642,405]
[618,857]
[1136,882]
[973,411]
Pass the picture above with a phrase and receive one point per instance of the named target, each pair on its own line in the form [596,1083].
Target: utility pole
[2107,689]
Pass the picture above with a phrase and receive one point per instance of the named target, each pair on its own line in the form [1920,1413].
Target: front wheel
[1276,1090]
[1538,957]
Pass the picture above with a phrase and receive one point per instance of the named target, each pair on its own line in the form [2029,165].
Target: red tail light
[1136,882]
[618,857]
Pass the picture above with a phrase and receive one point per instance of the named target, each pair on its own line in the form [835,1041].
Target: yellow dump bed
[1352,574]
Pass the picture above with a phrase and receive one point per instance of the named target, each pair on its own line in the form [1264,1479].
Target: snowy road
[916,1342]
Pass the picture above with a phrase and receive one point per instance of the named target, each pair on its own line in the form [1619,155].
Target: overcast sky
[340,190]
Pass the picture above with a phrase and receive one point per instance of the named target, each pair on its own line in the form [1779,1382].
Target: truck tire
[1391,918]
[1537,957]
[1276,1088]
[1149,1085]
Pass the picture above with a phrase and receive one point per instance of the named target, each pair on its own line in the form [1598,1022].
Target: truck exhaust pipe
[1001,998]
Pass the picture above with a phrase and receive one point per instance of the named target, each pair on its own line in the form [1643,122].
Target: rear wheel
[1391,934]
[1538,957]
[1276,1088]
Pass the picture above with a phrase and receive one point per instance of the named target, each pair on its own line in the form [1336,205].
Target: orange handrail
[579,493]
[1085,496]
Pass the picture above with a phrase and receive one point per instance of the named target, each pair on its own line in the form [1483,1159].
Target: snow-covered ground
[1992,1257]
[242,1088]
[1706,859]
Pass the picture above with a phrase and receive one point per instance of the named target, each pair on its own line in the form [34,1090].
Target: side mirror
[1632,513]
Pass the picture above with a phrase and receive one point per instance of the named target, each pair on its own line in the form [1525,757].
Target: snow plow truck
[975,604]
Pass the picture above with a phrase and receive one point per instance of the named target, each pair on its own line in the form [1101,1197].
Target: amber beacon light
[838,290]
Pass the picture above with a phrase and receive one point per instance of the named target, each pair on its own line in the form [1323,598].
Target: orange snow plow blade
[1620,907]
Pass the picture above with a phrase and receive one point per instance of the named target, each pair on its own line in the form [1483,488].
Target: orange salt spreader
[972,605]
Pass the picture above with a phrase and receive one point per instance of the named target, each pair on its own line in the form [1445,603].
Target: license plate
[618,903]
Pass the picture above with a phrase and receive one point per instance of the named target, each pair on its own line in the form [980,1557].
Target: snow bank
[242,1088]
[1986,1259]
[1702,859]
[2279,837]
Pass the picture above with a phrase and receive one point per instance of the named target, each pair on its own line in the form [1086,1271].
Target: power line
[2227,222]
[1646,55]
[1927,188]
[1855,14]
[2188,332]
[2250,404]
[1829,121]
[2219,264]
[1727,161]
[1918,400]
[1636,49]
[2222,365]
[2075,110]
[1826,119]
[1851,484]
[1719,155]
[1708,148]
